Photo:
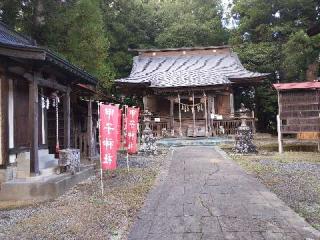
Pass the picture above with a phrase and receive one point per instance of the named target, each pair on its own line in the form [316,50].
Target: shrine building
[46,104]
[190,91]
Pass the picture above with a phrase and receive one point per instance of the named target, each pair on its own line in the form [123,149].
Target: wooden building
[190,91]
[299,110]
[42,107]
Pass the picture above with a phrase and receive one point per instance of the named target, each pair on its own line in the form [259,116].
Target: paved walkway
[207,196]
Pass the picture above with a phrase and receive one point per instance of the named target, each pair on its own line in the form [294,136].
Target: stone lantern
[148,145]
[244,136]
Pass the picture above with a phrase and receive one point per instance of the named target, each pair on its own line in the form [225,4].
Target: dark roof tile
[182,71]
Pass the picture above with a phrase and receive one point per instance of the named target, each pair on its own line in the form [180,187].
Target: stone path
[207,196]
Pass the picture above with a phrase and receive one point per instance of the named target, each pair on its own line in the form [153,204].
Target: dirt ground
[294,176]
[83,213]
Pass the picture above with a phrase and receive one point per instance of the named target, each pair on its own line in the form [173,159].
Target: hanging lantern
[47,103]
[190,99]
[43,102]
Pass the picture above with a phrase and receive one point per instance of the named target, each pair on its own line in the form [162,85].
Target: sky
[227,21]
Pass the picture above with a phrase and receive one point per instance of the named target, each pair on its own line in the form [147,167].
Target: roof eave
[25,52]
[123,83]
[54,58]
[177,49]
[191,86]
[42,54]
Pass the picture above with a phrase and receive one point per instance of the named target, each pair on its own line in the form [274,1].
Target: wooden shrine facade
[190,91]
[299,109]
[46,105]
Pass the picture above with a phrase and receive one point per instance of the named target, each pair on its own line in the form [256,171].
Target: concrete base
[42,187]
[8,174]
[198,141]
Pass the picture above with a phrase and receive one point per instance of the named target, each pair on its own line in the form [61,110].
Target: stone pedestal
[23,165]
[8,174]
[244,139]
[70,160]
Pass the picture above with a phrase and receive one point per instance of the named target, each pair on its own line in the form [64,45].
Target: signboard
[109,124]
[216,116]
[132,130]
[157,119]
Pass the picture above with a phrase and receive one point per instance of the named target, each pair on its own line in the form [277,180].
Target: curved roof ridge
[188,70]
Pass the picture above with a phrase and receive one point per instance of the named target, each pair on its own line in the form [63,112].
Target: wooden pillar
[66,116]
[4,123]
[280,140]
[194,116]
[172,116]
[145,103]
[232,104]
[89,129]
[205,112]
[180,124]
[33,124]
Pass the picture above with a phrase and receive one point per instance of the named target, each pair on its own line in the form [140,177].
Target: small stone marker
[70,160]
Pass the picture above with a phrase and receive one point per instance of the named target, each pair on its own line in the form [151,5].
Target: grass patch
[83,210]
[11,205]
[297,185]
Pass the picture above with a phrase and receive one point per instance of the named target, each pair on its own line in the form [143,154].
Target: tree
[129,24]
[275,29]
[189,23]
[160,24]
[73,28]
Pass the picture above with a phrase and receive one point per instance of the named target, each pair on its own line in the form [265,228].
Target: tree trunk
[312,71]
[38,17]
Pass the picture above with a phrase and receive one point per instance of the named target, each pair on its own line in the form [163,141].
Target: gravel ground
[82,212]
[293,176]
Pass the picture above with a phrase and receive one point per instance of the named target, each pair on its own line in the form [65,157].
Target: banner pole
[101,173]
[128,161]
[126,113]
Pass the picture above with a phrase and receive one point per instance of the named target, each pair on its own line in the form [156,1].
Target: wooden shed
[299,110]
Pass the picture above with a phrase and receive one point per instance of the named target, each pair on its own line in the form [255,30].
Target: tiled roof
[181,71]
[11,39]
[301,85]
[8,36]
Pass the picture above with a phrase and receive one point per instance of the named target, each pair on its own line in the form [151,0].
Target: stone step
[47,163]
[43,152]
[49,171]
[201,141]
[42,187]
[46,160]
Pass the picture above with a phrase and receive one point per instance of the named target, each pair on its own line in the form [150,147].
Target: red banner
[109,125]
[132,130]
[119,128]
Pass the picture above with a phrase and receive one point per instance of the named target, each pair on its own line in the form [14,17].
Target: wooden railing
[160,128]
[215,127]
[229,126]
[81,142]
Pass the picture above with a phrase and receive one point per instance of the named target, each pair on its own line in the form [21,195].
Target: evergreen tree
[73,28]
[270,37]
